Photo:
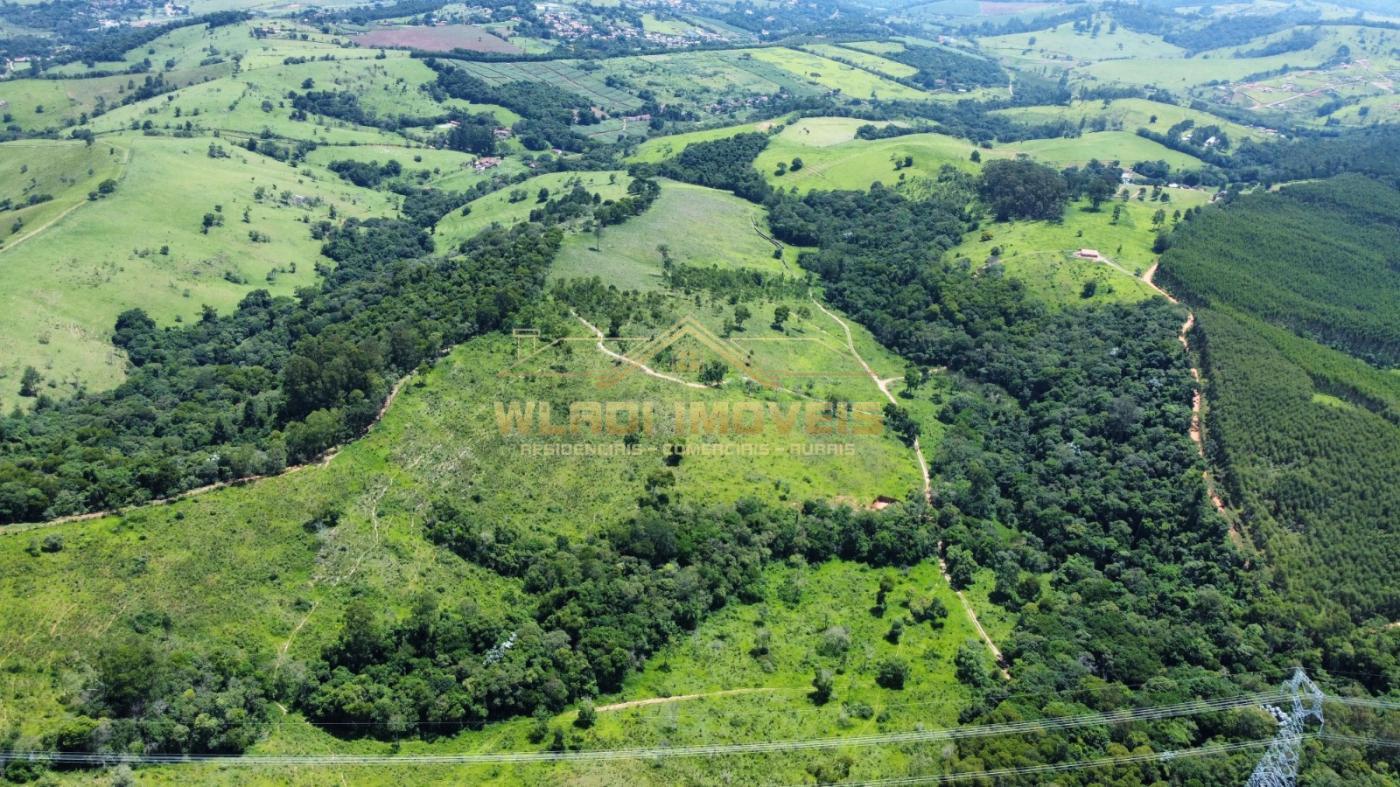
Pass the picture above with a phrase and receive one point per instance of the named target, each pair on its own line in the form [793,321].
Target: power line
[1103,762]
[1192,708]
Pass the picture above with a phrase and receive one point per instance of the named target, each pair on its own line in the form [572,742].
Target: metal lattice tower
[1279,767]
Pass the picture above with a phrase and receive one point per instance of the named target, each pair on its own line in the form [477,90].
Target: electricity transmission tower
[1279,767]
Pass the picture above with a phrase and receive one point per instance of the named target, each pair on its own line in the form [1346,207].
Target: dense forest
[1318,258]
[1307,437]
[1070,428]
[596,609]
[276,382]
[946,69]
[547,112]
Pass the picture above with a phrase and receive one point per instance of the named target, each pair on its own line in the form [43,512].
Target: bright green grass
[439,162]
[386,88]
[265,583]
[188,46]
[64,100]
[704,80]
[497,206]
[1041,254]
[563,74]
[876,47]
[866,60]
[1177,73]
[857,164]
[671,27]
[701,226]
[234,106]
[850,81]
[800,603]
[1124,146]
[448,170]
[659,149]
[63,288]
[1061,45]
[1131,114]
[64,170]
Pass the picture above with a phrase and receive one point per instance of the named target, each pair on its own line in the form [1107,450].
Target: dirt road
[884,386]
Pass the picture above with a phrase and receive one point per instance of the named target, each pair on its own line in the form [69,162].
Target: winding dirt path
[884,386]
[1197,402]
[677,698]
[121,175]
[617,356]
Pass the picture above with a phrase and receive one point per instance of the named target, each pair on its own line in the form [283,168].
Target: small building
[486,162]
[1088,254]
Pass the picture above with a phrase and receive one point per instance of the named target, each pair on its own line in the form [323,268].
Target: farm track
[883,385]
[619,357]
[678,698]
[121,175]
[1196,431]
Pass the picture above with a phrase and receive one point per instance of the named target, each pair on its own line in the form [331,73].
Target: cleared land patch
[700,226]
[438,38]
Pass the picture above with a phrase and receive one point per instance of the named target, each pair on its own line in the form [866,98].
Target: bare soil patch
[437,38]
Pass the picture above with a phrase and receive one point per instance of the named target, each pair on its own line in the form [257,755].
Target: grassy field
[1124,146]
[852,82]
[1131,114]
[830,163]
[1179,73]
[255,101]
[866,60]
[720,691]
[270,587]
[834,159]
[659,149]
[63,171]
[563,74]
[719,84]
[501,207]
[63,288]
[1041,254]
[1061,46]
[39,104]
[700,226]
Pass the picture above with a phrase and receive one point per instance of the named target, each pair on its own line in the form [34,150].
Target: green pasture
[64,171]
[1042,254]
[1131,114]
[191,45]
[1062,46]
[1124,146]
[235,106]
[876,47]
[866,60]
[856,164]
[39,104]
[850,81]
[385,88]
[658,149]
[63,287]
[715,84]
[504,208]
[716,685]
[266,584]
[700,226]
[1221,65]
[563,74]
